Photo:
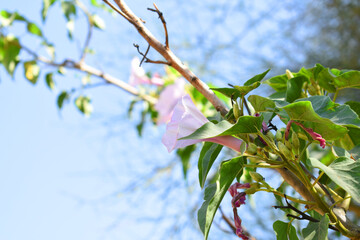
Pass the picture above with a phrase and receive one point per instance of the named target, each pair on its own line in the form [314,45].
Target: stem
[288,197]
[335,95]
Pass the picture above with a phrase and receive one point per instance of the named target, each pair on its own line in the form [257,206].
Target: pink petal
[168,99]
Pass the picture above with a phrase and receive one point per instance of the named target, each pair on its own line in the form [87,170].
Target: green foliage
[284,231]
[185,155]
[63,96]
[317,230]
[9,53]
[98,22]
[208,155]
[345,172]
[46,5]
[83,103]
[245,124]
[214,193]
[50,81]
[32,71]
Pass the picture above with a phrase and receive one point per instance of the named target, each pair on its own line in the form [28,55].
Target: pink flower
[310,131]
[168,99]
[138,75]
[185,120]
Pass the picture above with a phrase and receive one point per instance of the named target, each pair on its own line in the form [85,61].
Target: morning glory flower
[168,99]
[138,75]
[185,120]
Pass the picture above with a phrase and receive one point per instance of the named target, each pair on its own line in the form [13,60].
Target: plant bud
[302,136]
[236,110]
[256,176]
[296,143]
[284,150]
[288,144]
[270,135]
[278,135]
[251,149]
[312,90]
[289,74]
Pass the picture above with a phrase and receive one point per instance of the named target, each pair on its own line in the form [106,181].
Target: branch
[83,67]
[171,58]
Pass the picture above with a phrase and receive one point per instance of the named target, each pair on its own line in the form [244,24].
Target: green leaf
[69,9]
[246,89]
[10,53]
[284,231]
[303,111]
[278,83]
[345,172]
[63,96]
[32,71]
[349,79]
[34,29]
[317,230]
[261,104]
[46,5]
[70,26]
[324,77]
[229,92]
[98,22]
[245,124]
[294,88]
[340,115]
[208,155]
[355,106]
[7,18]
[256,78]
[50,81]
[185,154]
[83,103]
[214,193]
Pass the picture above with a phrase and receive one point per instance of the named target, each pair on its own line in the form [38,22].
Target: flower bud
[236,110]
[257,177]
[312,90]
[289,74]
[251,149]
[278,135]
[285,151]
[296,143]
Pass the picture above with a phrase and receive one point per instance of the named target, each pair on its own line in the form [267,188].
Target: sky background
[65,176]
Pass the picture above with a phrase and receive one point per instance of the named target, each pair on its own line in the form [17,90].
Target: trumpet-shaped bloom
[168,99]
[138,75]
[185,120]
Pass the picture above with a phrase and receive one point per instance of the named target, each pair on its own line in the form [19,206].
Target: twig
[90,30]
[147,59]
[161,16]
[171,58]
[303,216]
[83,67]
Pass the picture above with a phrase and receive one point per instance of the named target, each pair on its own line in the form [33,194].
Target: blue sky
[56,168]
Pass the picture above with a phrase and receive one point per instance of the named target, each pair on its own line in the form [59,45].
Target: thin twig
[81,66]
[90,30]
[303,216]
[147,59]
[161,16]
